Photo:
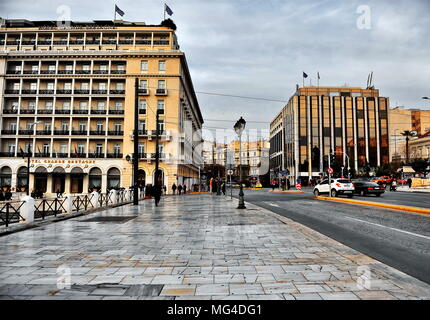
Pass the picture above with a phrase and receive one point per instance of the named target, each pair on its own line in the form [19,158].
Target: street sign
[330,171]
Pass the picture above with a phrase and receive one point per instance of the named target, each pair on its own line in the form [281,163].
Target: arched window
[113,178]
[5,177]
[22,178]
[95,179]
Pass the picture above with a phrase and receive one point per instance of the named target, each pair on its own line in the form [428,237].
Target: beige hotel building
[67,94]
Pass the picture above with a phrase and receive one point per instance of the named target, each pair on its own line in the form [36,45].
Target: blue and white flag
[119,11]
[168,10]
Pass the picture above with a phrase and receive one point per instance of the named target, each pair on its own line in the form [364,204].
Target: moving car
[382,181]
[365,188]
[338,187]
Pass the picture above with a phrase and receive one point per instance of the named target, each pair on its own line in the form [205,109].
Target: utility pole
[157,151]
[136,144]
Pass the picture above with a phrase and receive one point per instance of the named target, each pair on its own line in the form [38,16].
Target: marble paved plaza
[191,247]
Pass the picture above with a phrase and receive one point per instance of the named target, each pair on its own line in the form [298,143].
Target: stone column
[104,183]
[49,185]
[86,182]
[67,184]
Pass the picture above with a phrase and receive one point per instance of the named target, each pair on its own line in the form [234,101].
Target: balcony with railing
[43,132]
[98,111]
[115,155]
[116,91]
[97,132]
[42,155]
[27,111]
[7,154]
[80,111]
[115,133]
[79,132]
[142,91]
[29,91]
[64,91]
[116,112]
[8,131]
[11,91]
[142,111]
[62,111]
[46,91]
[161,92]
[10,111]
[61,132]
[81,91]
[96,155]
[44,111]
[99,91]
[78,155]
[25,132]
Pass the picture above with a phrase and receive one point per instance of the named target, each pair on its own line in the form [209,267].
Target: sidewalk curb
[380,205]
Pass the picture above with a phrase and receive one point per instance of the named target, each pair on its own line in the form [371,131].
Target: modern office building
[68,95]
[401,120]
[350,121]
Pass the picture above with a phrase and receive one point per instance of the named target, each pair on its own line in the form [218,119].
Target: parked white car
[338,187]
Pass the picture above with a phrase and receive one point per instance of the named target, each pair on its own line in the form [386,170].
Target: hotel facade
[68,96]
[351,122]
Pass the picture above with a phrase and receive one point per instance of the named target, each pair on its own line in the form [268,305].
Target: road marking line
[395,229]
[273,205]
[378,204]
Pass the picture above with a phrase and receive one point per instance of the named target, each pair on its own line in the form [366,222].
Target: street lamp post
[29,156]
[238,128]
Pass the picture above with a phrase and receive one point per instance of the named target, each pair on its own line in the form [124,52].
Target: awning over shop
[406,170]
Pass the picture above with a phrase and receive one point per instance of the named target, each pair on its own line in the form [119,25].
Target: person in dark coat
[223,188]
[179,189]
[156,193]
[2,198]
[288,184]
[185,189]
[174,188]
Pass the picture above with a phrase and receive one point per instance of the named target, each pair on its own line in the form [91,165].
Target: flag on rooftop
[119,11]
[168,10]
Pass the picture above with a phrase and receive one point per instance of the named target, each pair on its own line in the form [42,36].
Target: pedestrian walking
[273,184]
[156,193]
[164,189]
[179,189]
[2,198]
[185,189]
[288,184]
[223,188]
[174,188]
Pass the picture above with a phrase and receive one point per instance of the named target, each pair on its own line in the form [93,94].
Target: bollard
[95,199]
[68,203]
[113,196]
[27,210]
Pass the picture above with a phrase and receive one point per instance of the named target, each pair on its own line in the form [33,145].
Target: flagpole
[114,17]
[164,12]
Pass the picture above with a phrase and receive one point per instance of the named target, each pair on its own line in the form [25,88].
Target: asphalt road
[396,238]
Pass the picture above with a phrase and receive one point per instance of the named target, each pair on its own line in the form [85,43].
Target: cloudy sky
[259,48]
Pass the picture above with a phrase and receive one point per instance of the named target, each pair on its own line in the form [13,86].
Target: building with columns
[67,95]
[350,121]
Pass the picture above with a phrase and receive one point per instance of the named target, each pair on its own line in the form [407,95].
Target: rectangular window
[161,84]
[48,105]
[84,86]
[99,126]
[141,147]
[34,68]
[82,126]
[32,105]
[50,86]
[103,67]
[117,149]
[63,148]
[69,67]
[102,86]
[47,126]
[16,86]
[51,67]
[120,86]
[64,126]
[142,125]
[83,105]
[162,65]
[11,148]
[144,65]
[12,126]
[120,67]
[100,105]
[160,126]
[160,105]
[99,149]
[143,84]
[86,67]
[45,148]
[118,105]
[118,127]
[142,105]
[68,86]
[81,149]
[66,105]
[33,86]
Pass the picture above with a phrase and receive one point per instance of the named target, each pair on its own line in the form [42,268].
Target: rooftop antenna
[368,81]
[371,80]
